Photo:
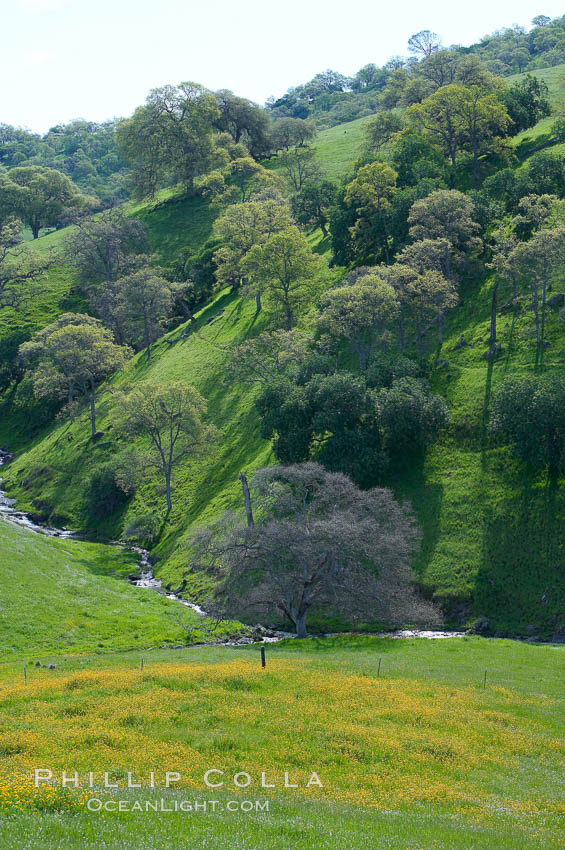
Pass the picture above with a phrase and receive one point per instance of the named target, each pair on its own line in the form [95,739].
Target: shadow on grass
[520,585]
[355,642]
[117,565]
[485,414]
[409,483]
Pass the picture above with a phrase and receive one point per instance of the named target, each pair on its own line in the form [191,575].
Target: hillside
[491,540]
[554,78]
[66,596]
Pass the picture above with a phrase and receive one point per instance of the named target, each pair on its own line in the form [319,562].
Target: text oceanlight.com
[188,806]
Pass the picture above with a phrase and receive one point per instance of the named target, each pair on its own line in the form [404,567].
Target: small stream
[147,580]
[9,512]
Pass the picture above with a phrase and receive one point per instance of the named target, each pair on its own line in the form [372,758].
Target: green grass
[412,749]
[175,224]
[62,596]
[541,132]
[339,147]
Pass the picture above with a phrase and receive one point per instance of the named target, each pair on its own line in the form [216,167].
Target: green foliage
[171,138]
[282,268]
[339,419]
[459,484]
[38,196]
[292,132]
[527,102]
[72,356]
[103,494]
[170,418]
[312,204]
[360,313]
[530,413]
[240,228]
[246,122]
[411,416]
[83,150]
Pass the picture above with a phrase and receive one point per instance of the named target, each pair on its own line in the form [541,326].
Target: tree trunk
[447,260]
[35,229]
[543,301]
[476,169]
[258,305]
[147,337]
[92,411]
[454,170]
[70,402]
[247,500]
[536,313]
[301,625]
[440,327]
[186,309]
[324,229]
[492,338]
[168,489]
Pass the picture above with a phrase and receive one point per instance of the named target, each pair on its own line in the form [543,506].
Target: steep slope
[554,78]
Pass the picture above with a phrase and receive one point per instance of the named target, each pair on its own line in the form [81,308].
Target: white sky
[96,59]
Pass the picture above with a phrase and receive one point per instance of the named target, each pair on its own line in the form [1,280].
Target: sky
[98,59]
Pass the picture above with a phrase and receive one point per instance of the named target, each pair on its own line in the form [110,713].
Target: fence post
[263,662]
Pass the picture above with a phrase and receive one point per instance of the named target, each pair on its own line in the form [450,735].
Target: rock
[460,343]
[51,666]
[556,300]
[38,663]
[495,349]
[480,626]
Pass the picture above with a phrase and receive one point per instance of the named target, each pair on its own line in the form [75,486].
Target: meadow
[412,747]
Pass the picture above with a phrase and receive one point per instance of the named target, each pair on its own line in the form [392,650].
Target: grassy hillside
[485,517]
[491,528]
[541,132]
[410,747]
[339,147]
[65,596]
